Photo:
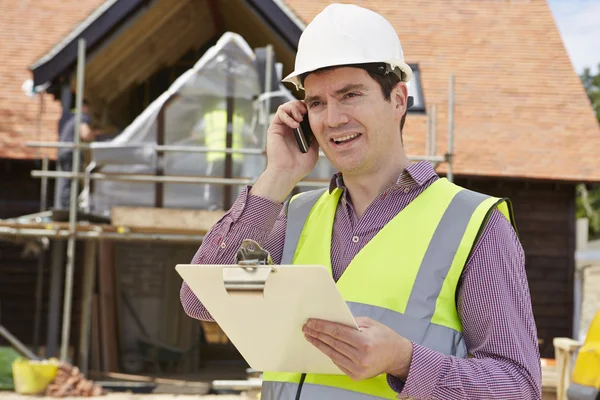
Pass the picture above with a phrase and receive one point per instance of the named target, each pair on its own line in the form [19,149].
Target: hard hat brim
[294,77]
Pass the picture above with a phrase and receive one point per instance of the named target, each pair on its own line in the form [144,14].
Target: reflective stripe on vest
[287,390]
[417,300]
[215,134]
[575,392]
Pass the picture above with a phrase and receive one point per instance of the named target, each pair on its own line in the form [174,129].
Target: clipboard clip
[254,265]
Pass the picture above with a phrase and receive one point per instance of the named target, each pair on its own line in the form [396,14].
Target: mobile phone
[304,135]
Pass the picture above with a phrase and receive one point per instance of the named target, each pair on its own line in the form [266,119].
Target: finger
[345,370]
[338,358]
[304,107]
[287,119]
[296,109]
[340,346]
[297,113]
[341,332]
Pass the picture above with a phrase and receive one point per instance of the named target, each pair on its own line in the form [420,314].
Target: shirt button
[223,245]
[355,239]
[406,190]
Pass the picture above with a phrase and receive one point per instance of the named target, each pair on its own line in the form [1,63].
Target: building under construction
[99,274]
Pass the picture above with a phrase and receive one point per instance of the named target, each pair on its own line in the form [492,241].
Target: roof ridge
[73,34]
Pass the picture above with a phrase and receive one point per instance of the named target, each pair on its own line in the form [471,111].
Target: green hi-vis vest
[406,277]
[215,134]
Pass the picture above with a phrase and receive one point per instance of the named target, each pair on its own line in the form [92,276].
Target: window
[415,89]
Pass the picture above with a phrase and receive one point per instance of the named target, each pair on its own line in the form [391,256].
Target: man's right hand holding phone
[286,164]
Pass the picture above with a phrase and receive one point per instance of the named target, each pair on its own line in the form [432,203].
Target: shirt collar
[415,174]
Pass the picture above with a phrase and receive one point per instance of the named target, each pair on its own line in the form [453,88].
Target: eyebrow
[348,88]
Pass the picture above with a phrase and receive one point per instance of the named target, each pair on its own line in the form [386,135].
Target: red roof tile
[520,108]
[28,29]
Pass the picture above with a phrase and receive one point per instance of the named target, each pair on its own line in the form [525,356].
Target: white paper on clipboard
[262,311]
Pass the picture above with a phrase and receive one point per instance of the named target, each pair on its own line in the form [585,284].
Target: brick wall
[146,274]
[521,129]
[545,216]
[29,29]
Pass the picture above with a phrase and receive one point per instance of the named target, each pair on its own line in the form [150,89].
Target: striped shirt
[493,299]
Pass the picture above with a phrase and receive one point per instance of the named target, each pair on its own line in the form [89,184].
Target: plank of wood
[107,298]
[149,217]
[89,278]
[95,357]
[143,378]
[549,377]
[63,226]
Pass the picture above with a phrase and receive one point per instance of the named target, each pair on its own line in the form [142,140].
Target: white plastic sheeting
[227,69]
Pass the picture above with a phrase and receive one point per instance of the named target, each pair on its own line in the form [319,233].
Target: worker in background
[585,375]
[215,137]
[433,273]
[87,133]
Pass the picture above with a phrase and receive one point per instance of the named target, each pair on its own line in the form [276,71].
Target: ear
[399,97]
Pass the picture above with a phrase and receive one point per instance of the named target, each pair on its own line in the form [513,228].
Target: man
[65,155]
[433,273]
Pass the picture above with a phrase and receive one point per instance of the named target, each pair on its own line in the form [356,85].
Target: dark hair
[388,82]
[379,72]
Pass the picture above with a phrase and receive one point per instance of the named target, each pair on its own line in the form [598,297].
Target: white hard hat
[346,34]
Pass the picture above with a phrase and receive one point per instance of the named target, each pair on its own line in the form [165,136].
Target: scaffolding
[38,227]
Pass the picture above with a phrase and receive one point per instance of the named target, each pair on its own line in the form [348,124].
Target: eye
[351,95]
[313,104]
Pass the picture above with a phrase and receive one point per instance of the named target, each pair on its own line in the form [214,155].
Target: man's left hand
[373,350]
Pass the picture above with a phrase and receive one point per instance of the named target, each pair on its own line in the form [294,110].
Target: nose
[336,115]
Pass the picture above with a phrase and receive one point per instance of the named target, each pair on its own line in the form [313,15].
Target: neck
[363,187]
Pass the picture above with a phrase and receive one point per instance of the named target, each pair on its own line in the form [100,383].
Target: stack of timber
[104,347]
[184,220]
[70,382]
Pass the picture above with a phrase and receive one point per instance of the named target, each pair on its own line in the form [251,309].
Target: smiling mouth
[346,139]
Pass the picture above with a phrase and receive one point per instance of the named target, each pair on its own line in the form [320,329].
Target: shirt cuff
[426,368]
[395,383]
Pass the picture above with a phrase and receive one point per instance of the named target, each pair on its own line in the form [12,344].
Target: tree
[588,206]
[588,196]
[591,83]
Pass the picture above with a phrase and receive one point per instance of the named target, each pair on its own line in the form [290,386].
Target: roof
[111,14]
[105,17]
[54,56]
[28,29]
[520,108]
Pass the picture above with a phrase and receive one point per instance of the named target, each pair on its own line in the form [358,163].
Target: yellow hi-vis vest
[586,372]
[215,134]
[406,277]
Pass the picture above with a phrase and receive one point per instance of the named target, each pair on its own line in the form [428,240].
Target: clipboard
[262,308]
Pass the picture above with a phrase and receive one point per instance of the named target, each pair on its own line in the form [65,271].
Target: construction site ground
[132,396]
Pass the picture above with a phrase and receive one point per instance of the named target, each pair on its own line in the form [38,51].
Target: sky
[579,25]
